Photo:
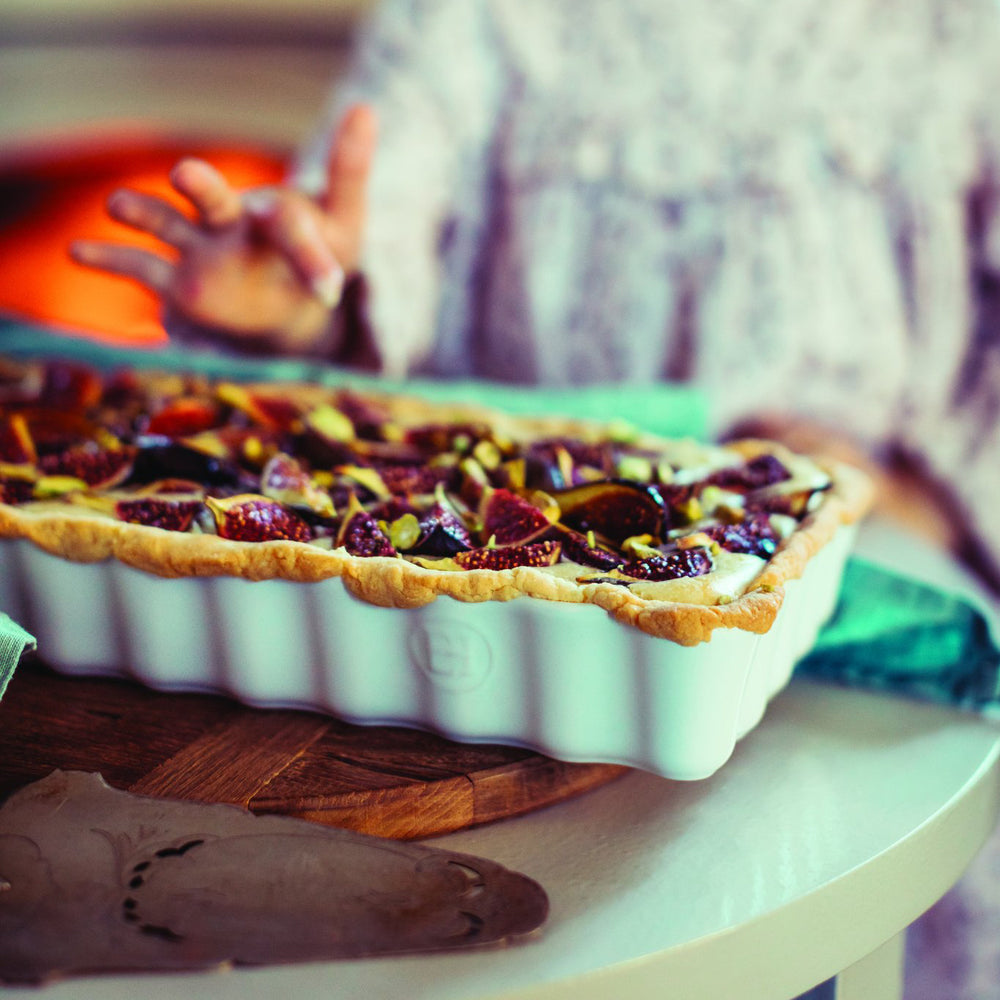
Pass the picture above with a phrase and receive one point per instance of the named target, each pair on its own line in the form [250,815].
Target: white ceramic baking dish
[565,680]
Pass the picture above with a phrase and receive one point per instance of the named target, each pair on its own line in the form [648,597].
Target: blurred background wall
[217,68]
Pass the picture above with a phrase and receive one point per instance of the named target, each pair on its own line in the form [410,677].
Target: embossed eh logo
[454,656]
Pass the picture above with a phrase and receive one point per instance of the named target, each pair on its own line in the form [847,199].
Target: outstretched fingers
[151,214]
[351,155]
[143,266]
[217,202]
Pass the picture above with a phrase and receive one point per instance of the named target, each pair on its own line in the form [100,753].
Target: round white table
[797,867]
[840,819]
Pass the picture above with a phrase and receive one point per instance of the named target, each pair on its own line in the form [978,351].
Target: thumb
[351,154]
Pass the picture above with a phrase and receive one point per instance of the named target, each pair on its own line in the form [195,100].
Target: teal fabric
[670,410]
[888,633]
[892,633]
[14,643]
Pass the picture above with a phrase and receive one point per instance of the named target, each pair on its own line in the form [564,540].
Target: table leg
[877,976]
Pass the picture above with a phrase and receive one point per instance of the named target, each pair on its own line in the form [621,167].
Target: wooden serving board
[388,781]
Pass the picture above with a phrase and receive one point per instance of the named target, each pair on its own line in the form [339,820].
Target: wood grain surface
[389,781]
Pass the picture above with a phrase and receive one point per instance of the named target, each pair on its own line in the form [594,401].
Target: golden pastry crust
[83,534]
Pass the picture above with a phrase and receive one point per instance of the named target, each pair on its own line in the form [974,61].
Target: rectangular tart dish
[592,593]
[563,679]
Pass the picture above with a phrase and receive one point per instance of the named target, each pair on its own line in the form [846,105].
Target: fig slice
[534,554]
[160,457]
[365,477]
[795,503]
[584,550]
[286,480]
[250,517]
[510,519]
[754,474]
[272,411]
[407,480]
[669,565]
[53,430]
[615,509]
[16,491]
[442,533]
[438,438]
[754,536]
[17,483]
[99,468]
[158,512]
[361,534]
[666,566]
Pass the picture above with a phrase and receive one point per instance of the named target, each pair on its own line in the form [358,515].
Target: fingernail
[329,286]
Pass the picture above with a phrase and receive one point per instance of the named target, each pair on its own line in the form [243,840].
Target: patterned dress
[792,205]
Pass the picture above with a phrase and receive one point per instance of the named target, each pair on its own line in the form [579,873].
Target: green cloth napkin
[14,643]
[893,633]
[670,409]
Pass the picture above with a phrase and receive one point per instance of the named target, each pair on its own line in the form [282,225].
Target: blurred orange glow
[50,196]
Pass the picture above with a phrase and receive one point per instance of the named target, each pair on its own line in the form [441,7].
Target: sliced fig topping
[579,549]
[758,472]
[614,509]
[669,566]
[98,468]
[365,478]
[249,517]
[15,490]
[171,515]
[405,480]
[387,510]
[184,417]
[510,519]
[438,438]
[54,431]
[382,453]
[361,535]
[794,504]
[560,463]
[754,536]
[682,503]
[549,466]
[335,467]
[271,411]
[534,554]
[285,479]
[161,458]
[368,418]
[474,481]
[442,533]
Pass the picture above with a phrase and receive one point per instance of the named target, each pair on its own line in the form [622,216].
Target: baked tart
[405,500]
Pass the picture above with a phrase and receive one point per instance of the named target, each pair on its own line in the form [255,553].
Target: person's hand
[263,267]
